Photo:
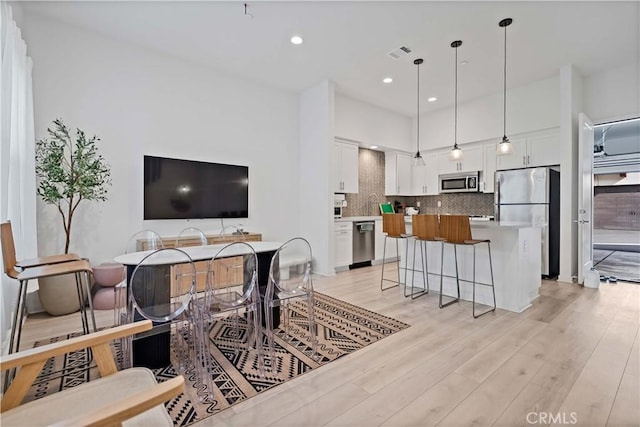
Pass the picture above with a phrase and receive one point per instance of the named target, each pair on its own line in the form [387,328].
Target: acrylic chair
[289,280]
[162,289]
[232,291]
[234,231]
[425,229]
[455,230]
[191,236]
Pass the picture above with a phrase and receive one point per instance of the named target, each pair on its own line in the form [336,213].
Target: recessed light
[296,40]
[373,147]
[432,99]
[464,62]
[387,80]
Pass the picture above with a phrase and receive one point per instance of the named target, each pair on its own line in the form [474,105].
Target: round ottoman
[111,292]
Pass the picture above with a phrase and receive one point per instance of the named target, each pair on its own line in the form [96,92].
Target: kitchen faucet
[375,199]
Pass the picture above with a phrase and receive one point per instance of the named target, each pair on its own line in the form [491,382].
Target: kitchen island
[517,266]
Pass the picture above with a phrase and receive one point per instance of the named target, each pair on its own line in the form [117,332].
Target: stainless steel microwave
[468,182]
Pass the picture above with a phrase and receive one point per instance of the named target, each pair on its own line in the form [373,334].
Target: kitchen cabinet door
[343,244]
[517,159]
[397,175]
[446,165]
[344,168]
[489,170]
[472,160]
[425,179]
[543,150]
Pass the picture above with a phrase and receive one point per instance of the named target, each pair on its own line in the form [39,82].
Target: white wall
[367,124]
[316,195]
[613,94]
[142,102]
[529,108]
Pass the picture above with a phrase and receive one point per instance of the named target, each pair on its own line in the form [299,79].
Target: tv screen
[187,189]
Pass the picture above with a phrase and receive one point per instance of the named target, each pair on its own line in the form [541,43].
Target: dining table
[152,350]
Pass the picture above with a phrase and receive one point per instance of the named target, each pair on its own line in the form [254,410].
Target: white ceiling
[347,42]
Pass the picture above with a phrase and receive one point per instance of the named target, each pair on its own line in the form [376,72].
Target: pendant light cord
[418,109]
[504,109]
[455,115]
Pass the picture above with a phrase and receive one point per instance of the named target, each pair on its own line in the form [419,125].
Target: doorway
[616,210]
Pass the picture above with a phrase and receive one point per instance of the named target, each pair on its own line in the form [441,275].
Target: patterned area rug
[341,329]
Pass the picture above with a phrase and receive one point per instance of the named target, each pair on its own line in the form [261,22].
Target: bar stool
[393,227]
[456,230]
[424,228]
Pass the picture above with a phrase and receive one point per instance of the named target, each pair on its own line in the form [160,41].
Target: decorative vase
[58,294]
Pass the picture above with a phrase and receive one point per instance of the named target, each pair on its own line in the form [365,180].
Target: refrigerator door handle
[496,212]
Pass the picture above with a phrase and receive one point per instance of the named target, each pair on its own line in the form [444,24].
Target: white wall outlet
[417,204]
[439,204]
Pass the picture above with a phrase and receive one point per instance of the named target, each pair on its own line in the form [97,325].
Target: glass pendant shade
[418,160]
[505,146]
[455,153]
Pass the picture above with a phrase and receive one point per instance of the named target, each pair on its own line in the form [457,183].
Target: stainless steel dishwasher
[363,242]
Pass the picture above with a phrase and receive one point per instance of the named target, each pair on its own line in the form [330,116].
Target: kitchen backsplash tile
[370,185]
[371,193]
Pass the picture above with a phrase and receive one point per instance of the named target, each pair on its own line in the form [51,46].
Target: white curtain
[17,155]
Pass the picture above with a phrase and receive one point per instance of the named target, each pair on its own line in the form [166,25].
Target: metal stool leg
[493,290]
[440,304]
[425,285]
[384,259]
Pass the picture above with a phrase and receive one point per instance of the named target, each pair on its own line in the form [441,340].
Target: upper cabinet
[397,174]
[472,160]
[425,179]
[345,167]
[532,151]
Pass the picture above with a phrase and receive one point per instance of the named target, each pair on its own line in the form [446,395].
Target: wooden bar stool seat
[456,230]
[425,228]
[393,227]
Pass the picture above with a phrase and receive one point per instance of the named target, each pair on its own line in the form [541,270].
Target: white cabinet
[397,174]
[425,179]
[489,170]
[343,243]
[532,151]
[472,160]
[391,253]
[345,168]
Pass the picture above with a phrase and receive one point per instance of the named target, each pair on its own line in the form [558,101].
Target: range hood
[617,148]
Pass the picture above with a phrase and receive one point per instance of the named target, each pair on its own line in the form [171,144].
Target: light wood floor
[574,354]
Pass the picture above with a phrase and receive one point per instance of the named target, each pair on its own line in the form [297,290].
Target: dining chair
[32,269]
[289,280]
[191,236]
[117,396]
[455,230]
[232,291]
[162,289]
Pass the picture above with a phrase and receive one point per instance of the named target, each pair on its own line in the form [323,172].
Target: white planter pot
[58,294]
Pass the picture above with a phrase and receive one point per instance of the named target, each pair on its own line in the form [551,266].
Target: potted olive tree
[69,170]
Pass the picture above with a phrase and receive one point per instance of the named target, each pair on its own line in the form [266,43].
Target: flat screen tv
[188,189]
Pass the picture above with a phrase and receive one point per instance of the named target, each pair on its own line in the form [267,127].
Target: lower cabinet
[343,241]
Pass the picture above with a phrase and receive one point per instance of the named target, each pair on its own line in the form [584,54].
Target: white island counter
[517,266]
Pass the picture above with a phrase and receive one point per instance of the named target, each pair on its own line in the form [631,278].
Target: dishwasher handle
[365,227]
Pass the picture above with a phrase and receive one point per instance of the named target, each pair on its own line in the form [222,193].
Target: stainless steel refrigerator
[533,196]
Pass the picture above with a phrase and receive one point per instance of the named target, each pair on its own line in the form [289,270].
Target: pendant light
[456,152]
[417,159]
[505,146]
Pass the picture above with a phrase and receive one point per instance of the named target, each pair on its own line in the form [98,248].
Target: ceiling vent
[399,52]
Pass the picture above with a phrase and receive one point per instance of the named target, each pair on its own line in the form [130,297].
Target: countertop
[474,223]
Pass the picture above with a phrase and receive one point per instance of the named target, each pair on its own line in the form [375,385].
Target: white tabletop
[197,253]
